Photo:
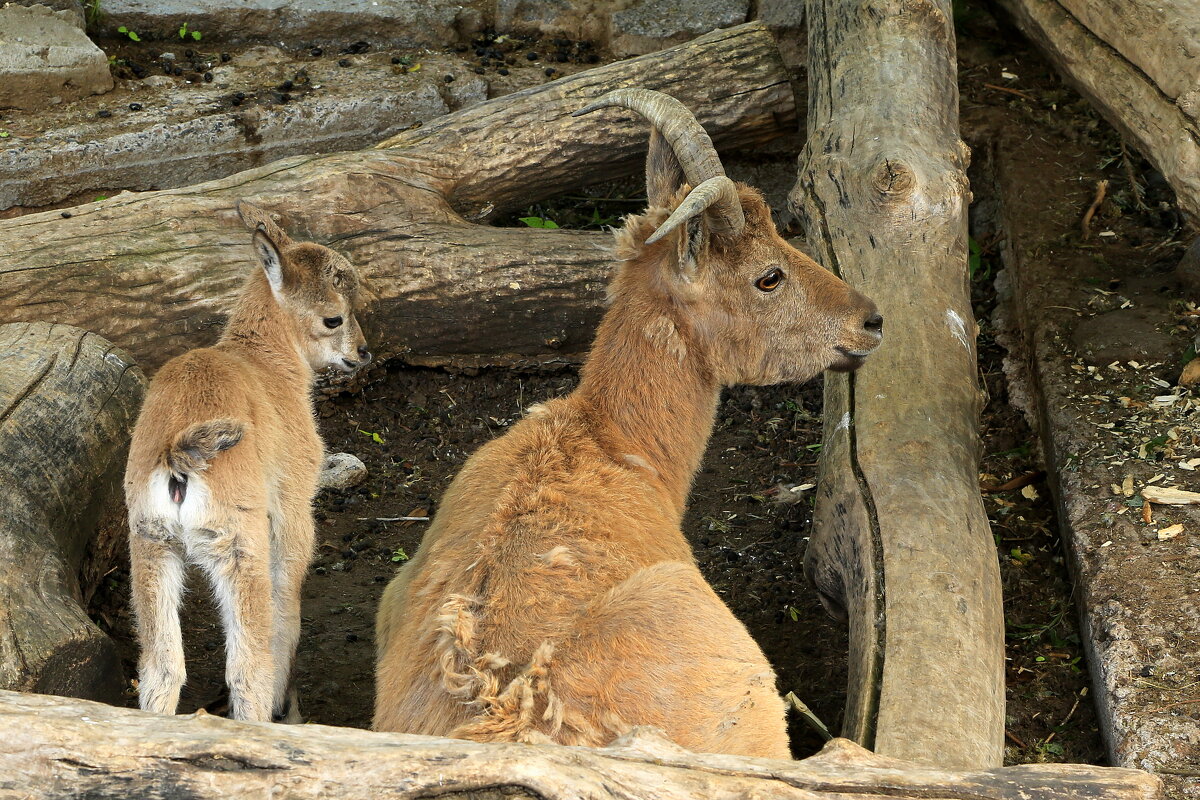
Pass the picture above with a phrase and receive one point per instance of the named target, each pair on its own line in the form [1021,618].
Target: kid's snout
[364,358]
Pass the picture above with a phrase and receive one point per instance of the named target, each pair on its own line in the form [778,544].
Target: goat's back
[522,616]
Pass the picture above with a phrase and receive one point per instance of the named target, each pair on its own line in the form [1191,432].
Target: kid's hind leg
[235,553]
[156,572]
[292,547]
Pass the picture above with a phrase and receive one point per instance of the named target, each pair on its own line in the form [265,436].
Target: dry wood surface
[1138,63]
[155,272]
[901,543]
[73,748]
[68,399]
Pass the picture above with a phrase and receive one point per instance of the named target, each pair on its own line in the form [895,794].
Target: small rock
[316,52]
[135,106]
[66,215]
[341,471]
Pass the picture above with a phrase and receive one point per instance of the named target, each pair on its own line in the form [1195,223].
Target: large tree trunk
[902,544]
[155,272]
[80,749]
[1138,63]
[67,402]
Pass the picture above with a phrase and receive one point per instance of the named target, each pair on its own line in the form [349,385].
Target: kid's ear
[268,256]
[254,218]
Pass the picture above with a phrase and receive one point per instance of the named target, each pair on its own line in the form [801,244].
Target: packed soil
[751,507]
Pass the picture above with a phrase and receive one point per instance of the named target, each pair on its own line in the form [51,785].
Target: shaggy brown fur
[554,597]
[223,467]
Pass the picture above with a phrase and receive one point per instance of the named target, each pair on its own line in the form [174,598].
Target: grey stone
[342,471]
[651,25]
[554,17]
[779,15]
[1188,271]
[785,18]
[407,23]
[1127,334]
[44,54]
[464,93]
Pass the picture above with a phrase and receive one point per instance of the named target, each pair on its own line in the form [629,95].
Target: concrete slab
[46,59]
[1107,431]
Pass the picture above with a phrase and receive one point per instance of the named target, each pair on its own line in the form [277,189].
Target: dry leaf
[1170,532]
[1170,496]
[1127,486]
[1029,493]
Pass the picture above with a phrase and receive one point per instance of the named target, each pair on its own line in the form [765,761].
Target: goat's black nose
[363,352]
[874,323]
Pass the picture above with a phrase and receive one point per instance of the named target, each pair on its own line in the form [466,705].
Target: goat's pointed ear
[664,176]
[270,259]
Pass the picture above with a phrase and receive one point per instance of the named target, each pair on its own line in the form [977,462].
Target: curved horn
[690,143]
[718,193]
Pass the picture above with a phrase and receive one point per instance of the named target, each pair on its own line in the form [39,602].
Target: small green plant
[184,33]
[4,134]
[978,266]
[792,612]
[100,198]
[539,222]
[91,12]
[374,437]
[398,555]
[133,37]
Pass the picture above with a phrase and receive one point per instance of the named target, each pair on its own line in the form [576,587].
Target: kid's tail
[198,444]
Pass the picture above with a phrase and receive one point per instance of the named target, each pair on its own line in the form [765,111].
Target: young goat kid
[554,597]
[223,468]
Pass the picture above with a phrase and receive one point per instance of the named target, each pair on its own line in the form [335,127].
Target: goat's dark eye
[333,322]
[769,282]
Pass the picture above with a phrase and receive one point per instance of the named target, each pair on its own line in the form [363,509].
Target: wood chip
[1147,512]
[1127,486]
[1170,532]
[1170,496]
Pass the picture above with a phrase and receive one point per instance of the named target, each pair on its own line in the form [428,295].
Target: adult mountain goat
[554,597]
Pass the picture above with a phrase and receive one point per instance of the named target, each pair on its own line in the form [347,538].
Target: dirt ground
[749,517]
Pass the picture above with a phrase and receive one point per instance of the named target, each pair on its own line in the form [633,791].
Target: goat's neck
[261,331]
[651,399]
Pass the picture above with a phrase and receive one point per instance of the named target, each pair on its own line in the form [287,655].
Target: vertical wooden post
[902,545]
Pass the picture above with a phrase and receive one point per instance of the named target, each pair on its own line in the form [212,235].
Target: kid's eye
[333,322]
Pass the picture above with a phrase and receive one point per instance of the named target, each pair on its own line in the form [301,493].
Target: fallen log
[1138,63]
[155,272]
[67,401]
[82,749]
[901,543]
